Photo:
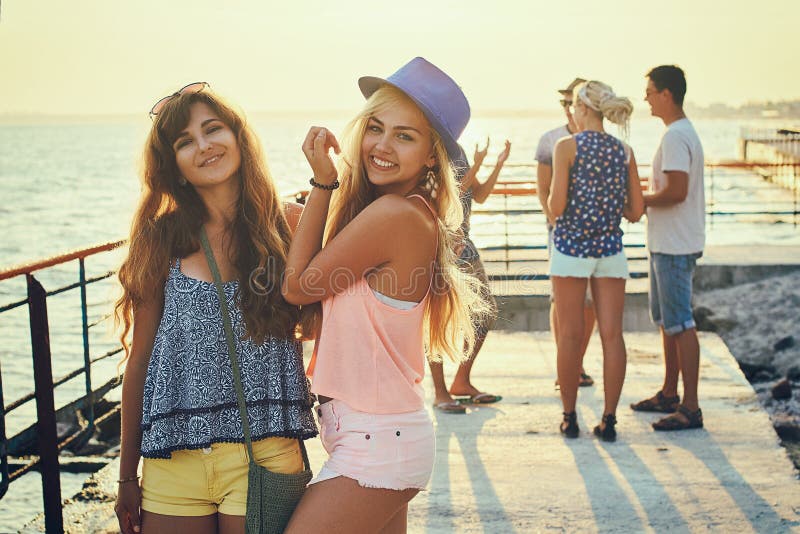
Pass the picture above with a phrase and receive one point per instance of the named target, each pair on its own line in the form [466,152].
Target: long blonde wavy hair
[170,215]
[455,300]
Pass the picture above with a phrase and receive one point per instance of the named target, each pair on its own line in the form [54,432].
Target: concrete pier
[505,467]
[525,305]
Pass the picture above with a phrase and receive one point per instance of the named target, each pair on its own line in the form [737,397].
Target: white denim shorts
[615,266]
[389,451]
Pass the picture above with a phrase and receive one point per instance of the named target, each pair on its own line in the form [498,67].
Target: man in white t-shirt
[675,239]
[544,175]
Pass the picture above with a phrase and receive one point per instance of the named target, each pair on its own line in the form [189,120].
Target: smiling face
[397,148]
[206,150]
[659,100]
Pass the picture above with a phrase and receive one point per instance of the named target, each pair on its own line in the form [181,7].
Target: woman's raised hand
[480,154]
[503,156]
[315,147]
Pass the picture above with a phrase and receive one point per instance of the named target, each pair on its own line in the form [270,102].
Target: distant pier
[778,152]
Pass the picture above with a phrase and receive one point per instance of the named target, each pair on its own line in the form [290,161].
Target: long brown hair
[170,215]
[455,300]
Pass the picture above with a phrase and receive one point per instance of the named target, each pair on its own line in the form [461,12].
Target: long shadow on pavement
[611,507]
[465,429]
[758,512]
[662,514]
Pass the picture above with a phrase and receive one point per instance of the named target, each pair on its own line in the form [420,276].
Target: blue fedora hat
[437,95]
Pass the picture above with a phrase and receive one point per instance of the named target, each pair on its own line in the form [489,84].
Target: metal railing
[529,208]
[526,191]
[44,429]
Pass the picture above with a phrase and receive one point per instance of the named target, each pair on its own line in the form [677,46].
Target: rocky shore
[760,323]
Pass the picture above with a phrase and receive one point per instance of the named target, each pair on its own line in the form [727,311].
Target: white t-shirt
[680,228]
[544,151]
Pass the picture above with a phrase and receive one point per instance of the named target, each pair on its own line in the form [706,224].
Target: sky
[115,57]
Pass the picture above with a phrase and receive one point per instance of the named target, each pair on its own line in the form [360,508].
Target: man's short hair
[669,77]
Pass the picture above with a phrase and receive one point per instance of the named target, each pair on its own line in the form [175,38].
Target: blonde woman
[389,285]
[595,184]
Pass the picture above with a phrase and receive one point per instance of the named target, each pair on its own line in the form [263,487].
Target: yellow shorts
[207,481]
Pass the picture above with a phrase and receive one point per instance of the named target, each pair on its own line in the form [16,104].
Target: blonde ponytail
[601,98]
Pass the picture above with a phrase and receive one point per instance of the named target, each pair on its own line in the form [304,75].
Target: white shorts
[615,266]
[388,451]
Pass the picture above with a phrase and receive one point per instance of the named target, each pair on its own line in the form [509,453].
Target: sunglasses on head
[192,88]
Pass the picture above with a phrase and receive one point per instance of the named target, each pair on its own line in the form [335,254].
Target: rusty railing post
[4,475]
[45,406]
[87,359]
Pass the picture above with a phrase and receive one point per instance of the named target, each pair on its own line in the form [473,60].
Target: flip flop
[480,398]
[450,407]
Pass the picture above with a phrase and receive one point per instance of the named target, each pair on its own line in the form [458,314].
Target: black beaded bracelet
[316,184]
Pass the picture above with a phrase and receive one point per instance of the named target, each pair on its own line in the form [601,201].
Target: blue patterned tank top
[189,398]
[590,224]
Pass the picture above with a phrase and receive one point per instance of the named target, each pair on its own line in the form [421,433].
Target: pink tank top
[369,354]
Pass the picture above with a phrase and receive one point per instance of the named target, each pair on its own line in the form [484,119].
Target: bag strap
[237,377]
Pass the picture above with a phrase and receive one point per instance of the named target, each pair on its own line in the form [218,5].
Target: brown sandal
[659,403]
[675,422]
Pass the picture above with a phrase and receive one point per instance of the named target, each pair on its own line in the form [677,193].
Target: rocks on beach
[759,321]
[760,324]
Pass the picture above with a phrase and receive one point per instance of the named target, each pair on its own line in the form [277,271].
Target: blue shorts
[671,290]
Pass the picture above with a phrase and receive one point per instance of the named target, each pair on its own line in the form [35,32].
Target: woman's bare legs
[462,385]
[569,295]
[609,302]
[170,524]
[588,327]
[341,505]
[398,524]
[230,524]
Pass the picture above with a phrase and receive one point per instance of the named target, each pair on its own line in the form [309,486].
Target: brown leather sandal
[658,403]
[675,422]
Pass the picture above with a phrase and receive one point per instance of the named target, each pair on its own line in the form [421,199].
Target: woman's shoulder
[403,210]
[393,203]
[567,139]
[565,145]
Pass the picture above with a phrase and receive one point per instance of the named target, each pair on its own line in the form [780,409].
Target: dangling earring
[182,181]
[431,183]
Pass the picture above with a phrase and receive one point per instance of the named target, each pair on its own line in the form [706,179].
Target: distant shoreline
[790,113]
